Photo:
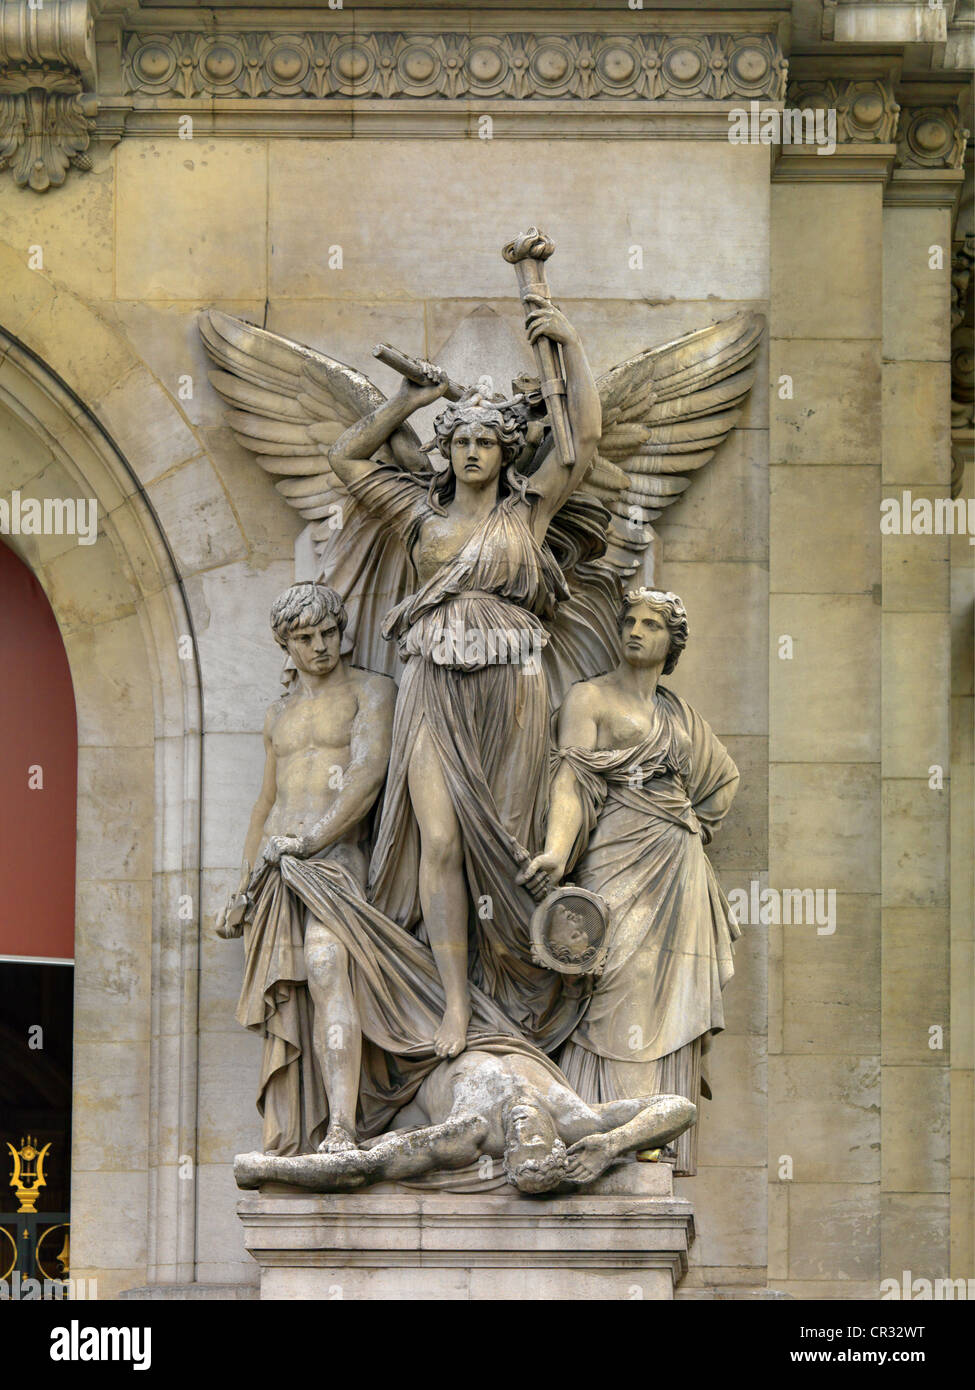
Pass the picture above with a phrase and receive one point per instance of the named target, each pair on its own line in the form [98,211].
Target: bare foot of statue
[590,1156]
[338,1139]
[450,1039]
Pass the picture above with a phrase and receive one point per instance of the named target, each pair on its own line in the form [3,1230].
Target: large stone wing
[665,412]
[276,390]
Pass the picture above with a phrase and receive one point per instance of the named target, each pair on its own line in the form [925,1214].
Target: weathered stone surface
[825,699]
[915,841]
[726,607]
[703,204]
[832,982]
[241,665]
[916,651]
[115,793]
[182,230]
[917,419]
[111,1093]
[76,231]
[730,1215]
[915,986]
[804,801]
[915,293]
[113,975]
[834,1240]
[818,293]
[825,1113]
[742,840]
[197,515]
[736,491]
[805,502]
[914,1235]
[137,409]
[833,416]
[113,692]
[914,1129]
[233,760]
[731,1126]
[916,569]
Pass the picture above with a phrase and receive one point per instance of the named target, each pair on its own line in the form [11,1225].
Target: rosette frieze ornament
[47,104]
[931,137]
[393,65]
[866,111]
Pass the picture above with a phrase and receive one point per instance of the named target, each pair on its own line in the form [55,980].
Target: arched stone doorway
[121,612]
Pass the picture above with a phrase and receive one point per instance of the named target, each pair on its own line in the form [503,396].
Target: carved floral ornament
[45,126]
[390,65]
[46,119]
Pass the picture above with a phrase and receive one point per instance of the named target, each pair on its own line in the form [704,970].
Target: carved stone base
[625,1238]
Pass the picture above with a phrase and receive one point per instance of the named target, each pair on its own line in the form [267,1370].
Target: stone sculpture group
[475,932]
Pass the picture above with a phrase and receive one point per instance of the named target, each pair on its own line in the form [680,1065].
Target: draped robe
[649,811]
[465,636]
[397,992]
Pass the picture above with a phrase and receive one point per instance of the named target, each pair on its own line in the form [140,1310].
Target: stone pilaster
[916,787]
[825,687]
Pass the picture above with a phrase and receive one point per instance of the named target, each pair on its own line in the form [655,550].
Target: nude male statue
[327,748]
[510,1106]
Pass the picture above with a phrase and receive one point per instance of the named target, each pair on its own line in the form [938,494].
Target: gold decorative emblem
[28,1175]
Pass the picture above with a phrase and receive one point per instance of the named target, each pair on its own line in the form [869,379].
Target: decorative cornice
[473,67]
[866,112]
[931,137]
[914,131]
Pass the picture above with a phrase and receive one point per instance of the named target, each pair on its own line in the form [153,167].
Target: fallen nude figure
[479,1105]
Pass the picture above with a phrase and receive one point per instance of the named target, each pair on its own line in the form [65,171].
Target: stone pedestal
[625,1238]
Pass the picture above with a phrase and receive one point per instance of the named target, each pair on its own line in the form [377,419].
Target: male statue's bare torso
[311,736]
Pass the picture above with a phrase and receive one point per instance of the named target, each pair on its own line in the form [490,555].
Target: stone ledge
[158,117]
[189,1293]
[848,163]
[402,1244]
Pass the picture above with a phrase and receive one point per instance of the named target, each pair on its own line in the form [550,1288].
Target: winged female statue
[486,584]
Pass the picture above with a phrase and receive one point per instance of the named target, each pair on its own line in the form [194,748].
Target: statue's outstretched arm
[351,454]
[551,478]
[566,814]
[658,1120]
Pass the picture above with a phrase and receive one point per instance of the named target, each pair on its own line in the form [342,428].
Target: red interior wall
[37,726]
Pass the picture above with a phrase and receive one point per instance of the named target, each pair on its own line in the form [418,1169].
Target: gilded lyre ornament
[28,1178]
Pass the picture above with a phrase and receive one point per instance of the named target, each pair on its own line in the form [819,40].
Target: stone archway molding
[33,389]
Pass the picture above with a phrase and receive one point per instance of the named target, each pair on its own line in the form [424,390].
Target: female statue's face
[475,455]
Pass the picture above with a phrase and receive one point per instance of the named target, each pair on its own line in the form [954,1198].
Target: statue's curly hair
[508,420]
[533,1174]
[303,605]
[539,1174]
[674,615]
